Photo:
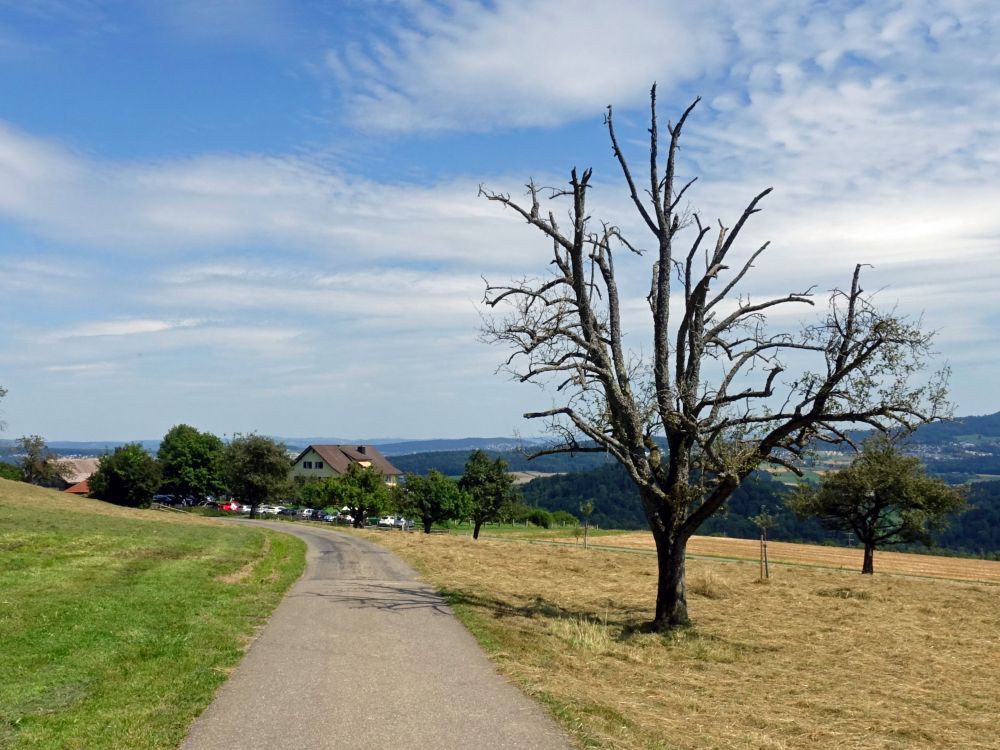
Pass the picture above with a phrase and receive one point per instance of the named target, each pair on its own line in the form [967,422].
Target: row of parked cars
[343,518]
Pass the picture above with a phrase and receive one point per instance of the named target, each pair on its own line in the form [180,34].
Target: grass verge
[813,658]
[119,625]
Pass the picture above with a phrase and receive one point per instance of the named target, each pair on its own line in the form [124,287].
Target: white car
[387,522]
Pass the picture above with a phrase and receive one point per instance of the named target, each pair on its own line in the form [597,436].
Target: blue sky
[252,215]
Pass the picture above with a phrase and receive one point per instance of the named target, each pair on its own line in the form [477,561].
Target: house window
[319,464]
[307,464]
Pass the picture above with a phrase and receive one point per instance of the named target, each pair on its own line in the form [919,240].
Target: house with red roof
[323,461]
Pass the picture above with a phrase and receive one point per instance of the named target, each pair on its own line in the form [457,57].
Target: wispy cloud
[460,65]
[225,201]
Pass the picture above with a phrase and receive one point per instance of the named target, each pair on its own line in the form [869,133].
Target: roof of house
[79,468]
[80,488]
[339,457]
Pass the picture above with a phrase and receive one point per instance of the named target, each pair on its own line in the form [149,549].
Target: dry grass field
[847,558]
[813,658]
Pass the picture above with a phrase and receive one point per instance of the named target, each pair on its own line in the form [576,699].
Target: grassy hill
[118,624]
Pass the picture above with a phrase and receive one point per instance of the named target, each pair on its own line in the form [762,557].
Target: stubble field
[812,658]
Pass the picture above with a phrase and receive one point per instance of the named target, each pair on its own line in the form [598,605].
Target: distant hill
[986,426]
[388,446]
[452,463]
[617,505]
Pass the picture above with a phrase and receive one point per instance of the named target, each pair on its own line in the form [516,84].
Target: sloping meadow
[811,658]
[118,625]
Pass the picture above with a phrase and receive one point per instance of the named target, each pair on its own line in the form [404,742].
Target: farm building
[322,461]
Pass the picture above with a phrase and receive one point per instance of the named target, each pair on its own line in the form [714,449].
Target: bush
[564,518]
[129,476]
[539,517]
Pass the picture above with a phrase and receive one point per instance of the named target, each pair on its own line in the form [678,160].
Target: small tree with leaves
[884,497]
[586,508]
[256,470]
[38,464]
[434,498]
[490,488]
[128,476]
[362,489]
[192,462]
[714,384]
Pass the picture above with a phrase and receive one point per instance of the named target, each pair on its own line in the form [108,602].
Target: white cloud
[119,328]
[462,65]
[227,201]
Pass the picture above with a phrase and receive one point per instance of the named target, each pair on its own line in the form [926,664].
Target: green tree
[434,498]
[714,385]
[191,463]
[489,486]
[361,489]
[884,497]
[128,476]
[256,470]
[38,464]
[9,471]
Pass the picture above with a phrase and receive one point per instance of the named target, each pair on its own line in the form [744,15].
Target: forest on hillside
[616,505]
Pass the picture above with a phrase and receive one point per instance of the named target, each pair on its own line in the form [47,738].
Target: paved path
[361,655]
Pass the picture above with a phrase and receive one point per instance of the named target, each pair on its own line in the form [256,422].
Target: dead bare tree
[715,389]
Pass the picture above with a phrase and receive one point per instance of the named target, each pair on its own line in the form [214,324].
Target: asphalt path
[359,654]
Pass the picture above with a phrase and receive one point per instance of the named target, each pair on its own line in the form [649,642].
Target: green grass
[119,625]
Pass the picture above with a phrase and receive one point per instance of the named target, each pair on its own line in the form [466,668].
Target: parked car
[387,522]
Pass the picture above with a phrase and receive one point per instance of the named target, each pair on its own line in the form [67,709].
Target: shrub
[539,517]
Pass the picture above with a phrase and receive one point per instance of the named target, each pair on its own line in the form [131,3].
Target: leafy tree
[884,497]
[128,476]
[489,486]
[434,498]
[256,470]
[191,463]
[362,489]
[38,464]
[712,383]
[315,493]
[9,471]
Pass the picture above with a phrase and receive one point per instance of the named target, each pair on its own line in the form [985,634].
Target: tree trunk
[427,525]
[475,528]
[868,568]
[671,591]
